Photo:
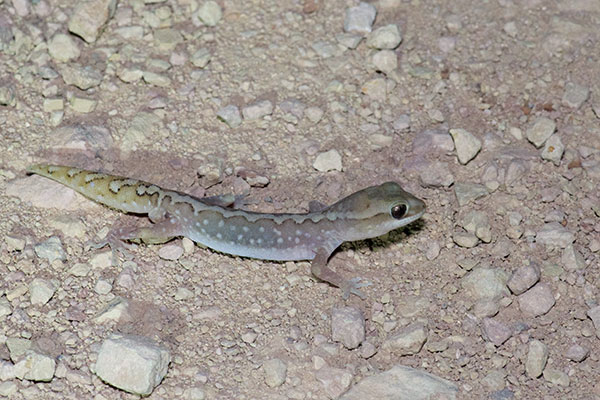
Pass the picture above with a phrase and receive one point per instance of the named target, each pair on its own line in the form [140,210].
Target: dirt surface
[500,273]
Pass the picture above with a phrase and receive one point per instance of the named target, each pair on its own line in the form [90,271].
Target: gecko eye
[399,211]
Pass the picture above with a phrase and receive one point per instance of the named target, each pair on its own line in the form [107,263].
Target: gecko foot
[351,286]
[114,239]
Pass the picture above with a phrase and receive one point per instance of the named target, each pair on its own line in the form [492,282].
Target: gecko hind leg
[119,237]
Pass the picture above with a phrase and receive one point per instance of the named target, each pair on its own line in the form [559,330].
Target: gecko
[210,222]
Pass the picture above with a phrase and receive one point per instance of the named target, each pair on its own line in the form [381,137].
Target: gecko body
[368,213]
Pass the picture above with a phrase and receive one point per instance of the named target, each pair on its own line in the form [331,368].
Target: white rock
[360,18]
[41,291]
[328,161]
[35,367]
[275,372]
[553,149]
[540,131]
[467,145]
[63,48]
[386,37]
[135,364]
[210,13]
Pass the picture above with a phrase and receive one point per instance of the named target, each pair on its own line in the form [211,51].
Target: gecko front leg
[320,269]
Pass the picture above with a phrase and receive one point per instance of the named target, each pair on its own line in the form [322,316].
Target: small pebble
[575,95]
[524,278]
[210,13]
[553,150]
[348,326]
[497,332]
[257,110]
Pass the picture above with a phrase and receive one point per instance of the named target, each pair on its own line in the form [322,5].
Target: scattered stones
[41,291]
[537,301]
[495,331]
[468,192]
[467,145]
[328,161]
[537,356]
[63,48]
[401,382]
[335,381]
[553,150]
[486,283]
[348,326]
[540,131]
[90,16]
[230,115]
[554,234]
[210,13]
[387,37]
[575,95]
[83,77]
[360,18]
[524,278]
[134,364]
[275,372]
[577,353]
[257,110]
[407,341]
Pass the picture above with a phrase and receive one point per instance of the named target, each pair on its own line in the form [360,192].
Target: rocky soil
[489,111]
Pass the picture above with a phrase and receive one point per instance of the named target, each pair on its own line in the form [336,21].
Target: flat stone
[495,331]
[486,283]
[335,381]
[230,115]
[386,37]
[51,250]
[537,356]
[556,377]
[467,145]
[575,95]
[35,367]
[89,18]
[348,326]
[257,110]
[554,234]
[577,353]
[385,61]
[134,364]
[360,18]
[41,291]
[407,341]
[537,301]
[375,89]
[275,372]
[540,131]
[201,58]
[210,13]
[553,150]
[402,383]
[63,48]
[468,192]
[328,161]
[436,174]
[524,278]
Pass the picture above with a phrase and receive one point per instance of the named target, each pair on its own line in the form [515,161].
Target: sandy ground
[501,274]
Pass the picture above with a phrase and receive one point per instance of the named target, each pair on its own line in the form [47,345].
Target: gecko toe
[352,286]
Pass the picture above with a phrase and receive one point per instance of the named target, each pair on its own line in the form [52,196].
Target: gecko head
[377,210]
